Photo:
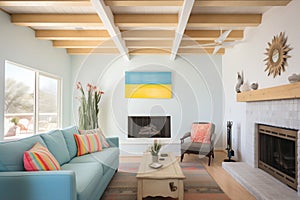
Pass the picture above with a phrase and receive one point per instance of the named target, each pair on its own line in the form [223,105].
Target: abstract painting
[148,85]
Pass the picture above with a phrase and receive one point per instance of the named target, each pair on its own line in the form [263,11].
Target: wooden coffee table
[166,181]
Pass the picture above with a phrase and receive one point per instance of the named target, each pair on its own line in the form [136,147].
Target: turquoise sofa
[81,178]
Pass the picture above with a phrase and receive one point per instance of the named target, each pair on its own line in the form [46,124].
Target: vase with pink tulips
[89,107]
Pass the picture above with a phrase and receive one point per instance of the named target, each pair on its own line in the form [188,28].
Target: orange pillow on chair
[201,133]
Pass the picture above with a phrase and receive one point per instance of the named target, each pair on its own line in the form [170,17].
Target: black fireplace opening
[149,127]
[277,153]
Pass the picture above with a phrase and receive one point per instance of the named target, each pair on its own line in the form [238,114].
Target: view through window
[32,101]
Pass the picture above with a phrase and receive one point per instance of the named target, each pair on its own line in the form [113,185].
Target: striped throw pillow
[39,158]
[87,143]
[98,131]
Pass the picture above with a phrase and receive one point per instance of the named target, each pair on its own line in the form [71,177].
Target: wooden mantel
[289,91]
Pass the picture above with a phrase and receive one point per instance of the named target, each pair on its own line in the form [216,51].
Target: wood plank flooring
[231,187]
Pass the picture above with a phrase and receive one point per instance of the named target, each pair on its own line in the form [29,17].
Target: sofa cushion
[11,153]
[71,144]
[39,158]
[56,144]
[106,157]
[98,131]
[88,143]
[88,176]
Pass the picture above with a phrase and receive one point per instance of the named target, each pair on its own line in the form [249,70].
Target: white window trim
[36,91]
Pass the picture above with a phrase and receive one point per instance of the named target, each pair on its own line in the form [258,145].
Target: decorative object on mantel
[277,55]
[154,149]
[254,86]
[230,151]
[294,78]
[240,82]
[89,109]
[245,87]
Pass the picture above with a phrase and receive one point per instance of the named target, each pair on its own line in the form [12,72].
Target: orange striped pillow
[39,158]
[87,143]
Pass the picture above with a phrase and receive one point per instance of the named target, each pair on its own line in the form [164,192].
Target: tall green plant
[89,108]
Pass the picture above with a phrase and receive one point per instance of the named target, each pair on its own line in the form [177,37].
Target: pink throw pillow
[39,158]
[201,133]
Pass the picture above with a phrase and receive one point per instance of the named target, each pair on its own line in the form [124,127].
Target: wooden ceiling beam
[56,20]
[200,51]
[211,35]
[83,44]
[45,3]
[84,51]
[135,51]
[191,35]
[224,20]
[217,3]
[72,35]
[146,20]
[110,44]
[144,2]
[202,3]
[138,20]
[132,43]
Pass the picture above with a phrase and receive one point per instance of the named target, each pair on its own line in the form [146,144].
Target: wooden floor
[232,188]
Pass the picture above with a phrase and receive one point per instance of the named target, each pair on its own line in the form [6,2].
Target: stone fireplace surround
[280,113]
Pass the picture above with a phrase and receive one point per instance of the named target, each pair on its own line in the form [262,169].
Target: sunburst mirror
[277,55]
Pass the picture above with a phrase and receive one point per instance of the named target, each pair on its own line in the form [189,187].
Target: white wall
[196,85]
[18,44]
[249,55]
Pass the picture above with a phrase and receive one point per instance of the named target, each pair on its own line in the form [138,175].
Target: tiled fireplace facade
[280,113]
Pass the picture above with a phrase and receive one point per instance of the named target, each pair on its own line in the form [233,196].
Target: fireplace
[277,153]
[149,127]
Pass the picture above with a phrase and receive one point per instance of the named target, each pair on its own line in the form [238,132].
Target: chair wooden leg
[182,155]
[209,158]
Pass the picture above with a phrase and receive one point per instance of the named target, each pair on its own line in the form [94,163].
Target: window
[32,101]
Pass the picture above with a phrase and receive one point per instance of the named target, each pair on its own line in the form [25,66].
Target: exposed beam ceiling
[202,3]
[45,3]
[133,27]
[138,20]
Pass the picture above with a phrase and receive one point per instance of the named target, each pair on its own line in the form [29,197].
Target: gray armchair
[199,148]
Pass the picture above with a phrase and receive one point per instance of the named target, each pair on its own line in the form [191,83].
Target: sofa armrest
[113,141]
[46,185]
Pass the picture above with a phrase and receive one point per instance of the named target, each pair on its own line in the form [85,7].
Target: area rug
[197,185]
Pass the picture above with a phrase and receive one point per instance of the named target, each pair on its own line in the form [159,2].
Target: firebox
[149,127]
[277,153]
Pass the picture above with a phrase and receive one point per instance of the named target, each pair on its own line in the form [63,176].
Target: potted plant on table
[154,149]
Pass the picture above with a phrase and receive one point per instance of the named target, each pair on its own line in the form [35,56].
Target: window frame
[37,74]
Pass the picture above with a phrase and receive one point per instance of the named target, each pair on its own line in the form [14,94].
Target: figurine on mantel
[240,82]
[245,87]
[294,78]
[254,86]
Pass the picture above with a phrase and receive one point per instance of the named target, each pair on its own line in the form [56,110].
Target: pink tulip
[89,87]
[78,85]
[95,88]
[100,92]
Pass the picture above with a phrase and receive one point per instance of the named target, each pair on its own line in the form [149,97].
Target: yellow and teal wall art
[148,85]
